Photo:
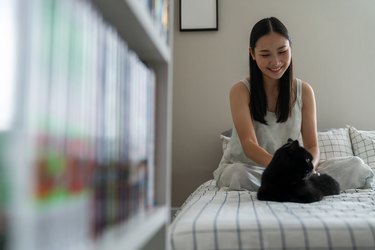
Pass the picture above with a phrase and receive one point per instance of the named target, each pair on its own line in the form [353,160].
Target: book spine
[91,111]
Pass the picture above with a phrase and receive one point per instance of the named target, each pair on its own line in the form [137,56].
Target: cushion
[224,141]
[363,143]
[334,143]
[225,138]
[227,133]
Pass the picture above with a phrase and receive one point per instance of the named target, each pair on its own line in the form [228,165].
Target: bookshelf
[87,147]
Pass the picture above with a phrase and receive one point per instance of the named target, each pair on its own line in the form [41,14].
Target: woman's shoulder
[240,89]
[303,83]
[305,86]
[241,84]
[307,92]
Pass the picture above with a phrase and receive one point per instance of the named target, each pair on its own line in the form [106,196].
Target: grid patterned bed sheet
[213,218]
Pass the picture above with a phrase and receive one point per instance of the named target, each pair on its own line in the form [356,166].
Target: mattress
[214,218]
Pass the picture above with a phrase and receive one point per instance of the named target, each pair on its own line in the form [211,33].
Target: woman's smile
[276,69]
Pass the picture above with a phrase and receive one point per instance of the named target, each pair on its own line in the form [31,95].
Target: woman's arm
[239,104]
[309,127]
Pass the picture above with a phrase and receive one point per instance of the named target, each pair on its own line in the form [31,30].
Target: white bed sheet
[213,218]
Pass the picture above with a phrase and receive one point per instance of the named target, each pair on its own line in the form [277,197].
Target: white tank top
[270,136]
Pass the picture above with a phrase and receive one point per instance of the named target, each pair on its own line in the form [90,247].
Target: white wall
[333,49]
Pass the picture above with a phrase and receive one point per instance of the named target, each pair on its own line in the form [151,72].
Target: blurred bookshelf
[85,124]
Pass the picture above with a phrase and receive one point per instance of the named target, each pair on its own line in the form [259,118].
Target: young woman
[267,108]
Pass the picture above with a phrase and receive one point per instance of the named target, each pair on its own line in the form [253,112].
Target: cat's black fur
[289,177]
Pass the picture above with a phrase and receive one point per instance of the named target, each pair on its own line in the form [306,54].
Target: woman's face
[272,54]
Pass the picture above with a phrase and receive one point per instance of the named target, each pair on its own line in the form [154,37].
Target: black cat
[289,177]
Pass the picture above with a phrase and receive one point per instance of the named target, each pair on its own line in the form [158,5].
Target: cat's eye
[308,160]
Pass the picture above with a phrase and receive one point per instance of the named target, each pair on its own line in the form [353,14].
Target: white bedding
[213,218]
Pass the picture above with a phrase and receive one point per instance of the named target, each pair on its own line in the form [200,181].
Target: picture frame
[199,15]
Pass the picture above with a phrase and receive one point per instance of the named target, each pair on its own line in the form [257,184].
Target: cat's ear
[294,144]
[290,140]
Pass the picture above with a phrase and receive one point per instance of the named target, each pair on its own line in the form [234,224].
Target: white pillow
[224,141]
[334,143]
[363,143]
[225,138]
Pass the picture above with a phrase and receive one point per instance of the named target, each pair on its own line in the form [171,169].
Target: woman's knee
[239,178]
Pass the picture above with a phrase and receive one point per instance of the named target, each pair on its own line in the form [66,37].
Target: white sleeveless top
[270,137]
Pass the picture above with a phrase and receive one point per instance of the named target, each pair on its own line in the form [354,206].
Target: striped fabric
[334,143]
[212,218]
[363,143]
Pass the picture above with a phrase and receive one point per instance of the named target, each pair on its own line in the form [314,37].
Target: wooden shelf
[71,220]
[134,233]
[136,26]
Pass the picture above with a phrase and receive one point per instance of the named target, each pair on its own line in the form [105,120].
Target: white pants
[350,172]
[239,176]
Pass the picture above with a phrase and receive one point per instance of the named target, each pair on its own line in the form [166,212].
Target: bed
[215,218]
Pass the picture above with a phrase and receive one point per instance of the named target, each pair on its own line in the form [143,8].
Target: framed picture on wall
[198,15]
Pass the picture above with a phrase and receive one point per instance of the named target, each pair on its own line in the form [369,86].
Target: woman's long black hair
[258,99]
